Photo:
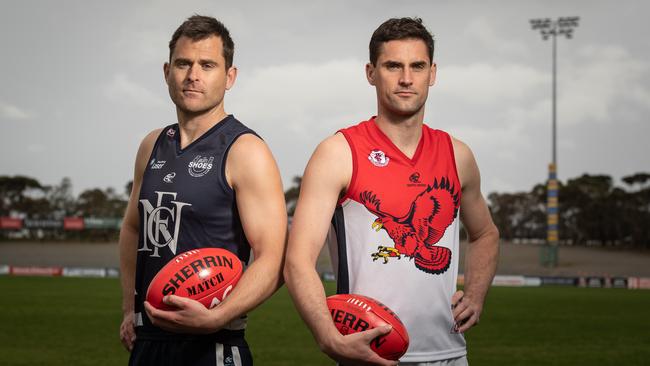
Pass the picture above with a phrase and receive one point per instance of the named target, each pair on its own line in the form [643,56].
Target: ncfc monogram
[159,220]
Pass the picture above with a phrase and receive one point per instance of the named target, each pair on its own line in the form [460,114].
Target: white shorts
[460,361]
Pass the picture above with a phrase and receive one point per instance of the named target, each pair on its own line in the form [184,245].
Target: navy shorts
[193,352]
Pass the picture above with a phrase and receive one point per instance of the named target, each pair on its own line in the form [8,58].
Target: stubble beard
[195,110]
[406,109]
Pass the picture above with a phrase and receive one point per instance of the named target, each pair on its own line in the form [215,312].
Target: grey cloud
[123,89]
[11,112]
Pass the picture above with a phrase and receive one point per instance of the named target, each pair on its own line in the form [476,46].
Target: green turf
[562,326]
[60,321]
[277,336]
[72,321]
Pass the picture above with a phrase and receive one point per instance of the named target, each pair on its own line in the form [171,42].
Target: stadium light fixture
[549,28]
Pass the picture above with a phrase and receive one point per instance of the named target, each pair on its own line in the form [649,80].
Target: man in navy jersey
[206,181]
[394,190]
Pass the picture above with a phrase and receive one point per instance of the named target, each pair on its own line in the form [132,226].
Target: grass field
[74,321]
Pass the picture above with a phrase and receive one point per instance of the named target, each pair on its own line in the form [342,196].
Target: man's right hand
[326,177]
[354,349]
[127,330]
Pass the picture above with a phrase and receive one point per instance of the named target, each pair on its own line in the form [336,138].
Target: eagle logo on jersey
[416,233]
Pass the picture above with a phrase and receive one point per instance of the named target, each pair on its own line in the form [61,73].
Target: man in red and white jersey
[393,190]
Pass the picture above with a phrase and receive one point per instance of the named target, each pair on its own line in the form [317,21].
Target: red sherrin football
[206,275]
[355,313]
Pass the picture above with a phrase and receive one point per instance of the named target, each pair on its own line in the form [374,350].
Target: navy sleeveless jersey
[185,203]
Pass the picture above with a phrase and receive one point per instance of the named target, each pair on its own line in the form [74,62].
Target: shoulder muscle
[331,162]
[468,172]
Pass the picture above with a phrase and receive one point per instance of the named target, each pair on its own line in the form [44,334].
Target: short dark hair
[396,29]
[198,28]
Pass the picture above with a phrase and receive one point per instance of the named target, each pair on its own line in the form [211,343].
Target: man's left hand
[188,316]
[466,311]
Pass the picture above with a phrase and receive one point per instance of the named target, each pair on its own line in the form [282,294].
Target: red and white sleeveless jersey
[396,233]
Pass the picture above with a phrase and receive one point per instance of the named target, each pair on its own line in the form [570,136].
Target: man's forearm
[308,293]
[260,280]
[128,246]
[481,264]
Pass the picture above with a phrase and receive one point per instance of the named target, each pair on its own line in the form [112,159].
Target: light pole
[551,29]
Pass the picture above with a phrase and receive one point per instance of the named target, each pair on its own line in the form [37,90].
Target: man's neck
[404,132]
[193,126]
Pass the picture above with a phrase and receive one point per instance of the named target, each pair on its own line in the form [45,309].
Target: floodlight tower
[551,29]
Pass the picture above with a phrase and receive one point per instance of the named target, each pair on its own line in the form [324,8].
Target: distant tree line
[593,211]
[25,197]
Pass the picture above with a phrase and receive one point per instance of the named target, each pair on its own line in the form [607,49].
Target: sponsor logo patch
[415,180]
[378,158]
[169,177]
[200,166]
[171,132]
[153,164]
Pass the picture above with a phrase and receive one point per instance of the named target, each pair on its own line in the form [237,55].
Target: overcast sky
[82,82]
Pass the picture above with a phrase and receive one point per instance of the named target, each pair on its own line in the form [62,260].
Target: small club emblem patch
[378,158]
